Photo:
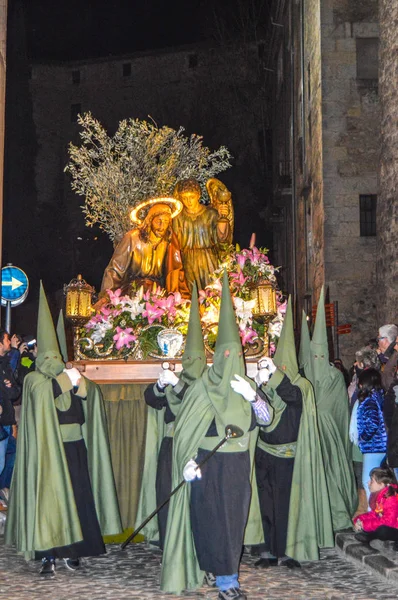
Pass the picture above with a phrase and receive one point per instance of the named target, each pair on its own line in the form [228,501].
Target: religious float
[154,192]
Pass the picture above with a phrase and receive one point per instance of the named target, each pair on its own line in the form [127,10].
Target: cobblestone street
[134,573]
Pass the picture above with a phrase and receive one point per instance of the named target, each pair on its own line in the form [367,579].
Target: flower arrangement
[127,327]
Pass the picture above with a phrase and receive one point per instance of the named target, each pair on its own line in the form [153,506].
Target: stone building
[326,124]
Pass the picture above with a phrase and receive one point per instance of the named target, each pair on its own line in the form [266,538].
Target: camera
[31,344]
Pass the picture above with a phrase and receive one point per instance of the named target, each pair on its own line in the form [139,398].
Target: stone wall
[387,217]
[350,122]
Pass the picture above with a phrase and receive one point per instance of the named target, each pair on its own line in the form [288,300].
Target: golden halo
[178,206]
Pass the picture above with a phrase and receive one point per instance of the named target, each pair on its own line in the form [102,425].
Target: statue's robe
[135,260]
[199,240]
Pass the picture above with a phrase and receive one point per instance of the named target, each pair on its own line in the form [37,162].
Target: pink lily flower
[247,336]
[241,259]
[152,313]
[114,296]
[124,337]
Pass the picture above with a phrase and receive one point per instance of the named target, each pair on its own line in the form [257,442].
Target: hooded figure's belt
[71,432]
[278,450]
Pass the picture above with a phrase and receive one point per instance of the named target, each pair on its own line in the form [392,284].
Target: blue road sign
[14,285]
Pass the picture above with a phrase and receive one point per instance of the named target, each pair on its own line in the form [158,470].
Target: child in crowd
[381,522]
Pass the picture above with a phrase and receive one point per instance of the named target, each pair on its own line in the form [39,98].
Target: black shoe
[290,563]
[210,579]
[265,563]
[232,594]
[48,567]
[73,564]
[363,537]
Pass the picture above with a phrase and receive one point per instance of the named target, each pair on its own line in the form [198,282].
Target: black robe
[274,475]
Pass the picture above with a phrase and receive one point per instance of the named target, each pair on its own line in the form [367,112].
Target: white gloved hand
[191,471]
[243,387]
[167,377]
[267,363]
[74,376]
[262,376]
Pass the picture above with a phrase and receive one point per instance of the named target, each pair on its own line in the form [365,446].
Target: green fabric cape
[333,422]
[42,512]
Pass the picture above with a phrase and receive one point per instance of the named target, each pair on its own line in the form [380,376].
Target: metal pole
[8,317]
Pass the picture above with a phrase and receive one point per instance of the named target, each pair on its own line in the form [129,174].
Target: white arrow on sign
[14,283]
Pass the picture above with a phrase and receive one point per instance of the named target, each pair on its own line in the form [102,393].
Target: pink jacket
[384,513]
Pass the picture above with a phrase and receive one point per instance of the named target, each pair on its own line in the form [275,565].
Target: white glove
[191,471]
[167,377]
[74,376]
[243,387]
[262,376]
[267,363]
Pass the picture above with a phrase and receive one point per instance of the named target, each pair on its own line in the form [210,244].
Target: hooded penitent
[193,363]
[309,523]
[333,420]
[210,398]
[35,522]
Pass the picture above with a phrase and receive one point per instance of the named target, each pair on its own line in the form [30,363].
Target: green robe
[42,512]
[333,422]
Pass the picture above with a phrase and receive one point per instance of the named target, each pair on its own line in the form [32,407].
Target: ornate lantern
[78,301]
[265,296]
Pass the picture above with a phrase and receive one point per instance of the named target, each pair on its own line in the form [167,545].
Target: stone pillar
[3,37]
[387,209]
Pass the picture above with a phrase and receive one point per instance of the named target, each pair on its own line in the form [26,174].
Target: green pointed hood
[194,357]
[319,348]
[305,341]
[285,357]
[48,360]
[228,331]
[62,336]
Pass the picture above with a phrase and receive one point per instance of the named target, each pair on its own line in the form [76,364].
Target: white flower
[134,307]
[244,310]
[275,327]
[211,315]
[100,330]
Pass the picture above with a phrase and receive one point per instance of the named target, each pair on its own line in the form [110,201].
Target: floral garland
[125,321]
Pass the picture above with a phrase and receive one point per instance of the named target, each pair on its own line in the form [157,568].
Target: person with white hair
[388,353]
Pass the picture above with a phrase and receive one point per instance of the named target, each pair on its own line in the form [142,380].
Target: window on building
[126,69]
[75,110]
[367,58]
[76,77]
[367,214]
[193,61]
